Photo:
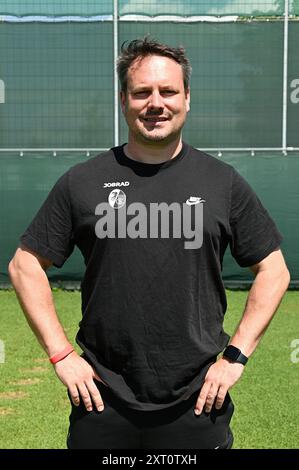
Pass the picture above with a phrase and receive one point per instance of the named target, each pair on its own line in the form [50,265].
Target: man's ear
[123,100]
[187,96]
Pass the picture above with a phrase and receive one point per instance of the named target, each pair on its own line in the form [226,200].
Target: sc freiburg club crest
[117,198]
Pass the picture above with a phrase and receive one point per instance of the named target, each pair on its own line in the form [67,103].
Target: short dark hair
[140,48]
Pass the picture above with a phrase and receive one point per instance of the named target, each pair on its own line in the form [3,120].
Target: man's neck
[155,152]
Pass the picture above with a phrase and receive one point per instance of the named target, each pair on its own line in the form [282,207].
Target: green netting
[144,7]
[295,7]
[275,179]
[59,85]
[24,184]
[236,85]
[293,80]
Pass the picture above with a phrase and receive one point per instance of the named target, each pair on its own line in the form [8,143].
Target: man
[152,219]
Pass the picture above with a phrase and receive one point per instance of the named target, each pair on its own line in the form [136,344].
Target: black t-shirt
[153,238]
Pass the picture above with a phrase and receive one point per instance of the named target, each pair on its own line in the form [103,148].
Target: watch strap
[235,355]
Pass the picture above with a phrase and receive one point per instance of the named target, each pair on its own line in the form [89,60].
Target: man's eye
[141,93]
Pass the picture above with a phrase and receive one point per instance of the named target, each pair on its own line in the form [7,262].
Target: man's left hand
[220,377]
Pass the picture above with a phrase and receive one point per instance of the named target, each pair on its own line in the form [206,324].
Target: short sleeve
[254,234]
[50,234]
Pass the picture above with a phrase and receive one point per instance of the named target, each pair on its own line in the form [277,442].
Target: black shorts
[176,427]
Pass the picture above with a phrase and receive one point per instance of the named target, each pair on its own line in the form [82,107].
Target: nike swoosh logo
[194,200]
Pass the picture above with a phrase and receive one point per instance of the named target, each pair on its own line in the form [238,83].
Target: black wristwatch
[234,354]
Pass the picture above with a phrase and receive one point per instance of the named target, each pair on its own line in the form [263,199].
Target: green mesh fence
[275,179]
[293,81]
[57,92]
[295,7]
[236,84]
[59,85]
[59,80]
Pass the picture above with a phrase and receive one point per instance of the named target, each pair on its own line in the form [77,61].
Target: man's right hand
[27,271]
[78,376]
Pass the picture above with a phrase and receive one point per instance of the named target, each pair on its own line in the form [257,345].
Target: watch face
[232,353]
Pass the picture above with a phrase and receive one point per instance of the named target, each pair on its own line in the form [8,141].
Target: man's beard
[156,136]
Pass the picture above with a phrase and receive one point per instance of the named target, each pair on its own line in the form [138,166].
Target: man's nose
[156,100]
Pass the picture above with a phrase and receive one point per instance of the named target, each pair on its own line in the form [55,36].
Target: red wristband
[58,357]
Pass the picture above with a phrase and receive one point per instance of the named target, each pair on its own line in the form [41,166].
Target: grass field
[34,407]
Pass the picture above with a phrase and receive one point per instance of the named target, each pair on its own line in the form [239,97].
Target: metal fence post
[115,54]
[285,78]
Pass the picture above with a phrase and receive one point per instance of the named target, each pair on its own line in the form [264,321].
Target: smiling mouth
[154,119]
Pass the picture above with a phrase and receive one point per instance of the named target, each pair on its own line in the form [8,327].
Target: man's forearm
[34,293]
[263,300]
